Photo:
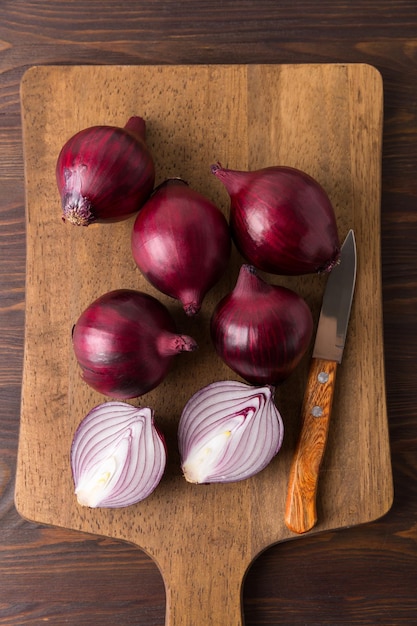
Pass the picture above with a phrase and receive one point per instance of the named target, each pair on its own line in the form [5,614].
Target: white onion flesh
[228,431]
[118,456]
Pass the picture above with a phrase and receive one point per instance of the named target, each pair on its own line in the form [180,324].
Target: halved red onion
[228,431]
[118,456]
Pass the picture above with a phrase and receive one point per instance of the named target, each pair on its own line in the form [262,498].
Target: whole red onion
[261,331]
[125,342]
[181,243]
[105,173]
[281,220]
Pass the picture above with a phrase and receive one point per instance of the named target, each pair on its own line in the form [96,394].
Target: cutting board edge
[69,67]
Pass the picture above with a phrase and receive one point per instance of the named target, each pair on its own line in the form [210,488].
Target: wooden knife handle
[300,509]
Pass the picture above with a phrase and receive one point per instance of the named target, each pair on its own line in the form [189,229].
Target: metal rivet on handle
[316,411]
[323,377]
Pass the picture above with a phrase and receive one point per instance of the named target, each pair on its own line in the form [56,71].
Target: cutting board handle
[206,594]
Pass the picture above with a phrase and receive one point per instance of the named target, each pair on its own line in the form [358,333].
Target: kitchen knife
[300,509]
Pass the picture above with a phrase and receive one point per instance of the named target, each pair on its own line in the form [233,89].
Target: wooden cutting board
[324,119]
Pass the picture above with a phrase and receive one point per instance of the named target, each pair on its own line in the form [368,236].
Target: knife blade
[300,508]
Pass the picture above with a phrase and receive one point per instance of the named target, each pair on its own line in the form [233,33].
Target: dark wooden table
[363,575]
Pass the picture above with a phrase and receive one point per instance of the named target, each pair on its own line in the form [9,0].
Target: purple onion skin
[261,331]
[105,173]
[181,243]
[281,220]
[125,342]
